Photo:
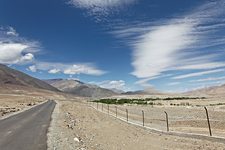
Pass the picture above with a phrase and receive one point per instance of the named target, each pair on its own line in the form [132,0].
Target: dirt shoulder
[77,126]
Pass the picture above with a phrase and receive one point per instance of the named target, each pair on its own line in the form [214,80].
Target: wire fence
[201,120]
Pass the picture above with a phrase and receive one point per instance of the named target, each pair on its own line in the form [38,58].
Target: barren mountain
[213,91]
[79,88]
[9,76]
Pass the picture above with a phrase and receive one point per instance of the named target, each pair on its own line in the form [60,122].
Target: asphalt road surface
[27,130]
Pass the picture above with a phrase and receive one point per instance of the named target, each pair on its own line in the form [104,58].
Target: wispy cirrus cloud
[155,51]
[181,43]
[208,79]
[173,83]
[92,4]
[100,8]
[196,74]
[144,82]
[12,32]
[209,65]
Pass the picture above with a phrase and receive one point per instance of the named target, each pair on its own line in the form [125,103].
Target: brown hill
[9,76]
[212,91]
[81,89]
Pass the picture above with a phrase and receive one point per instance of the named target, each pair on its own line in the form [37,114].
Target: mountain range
[80,88]
[211,91]
[12,77]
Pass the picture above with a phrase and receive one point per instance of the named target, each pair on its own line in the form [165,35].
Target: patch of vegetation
[217,104]
[146,101]
[181,104]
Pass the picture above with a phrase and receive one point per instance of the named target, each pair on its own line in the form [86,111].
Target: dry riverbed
[77,126]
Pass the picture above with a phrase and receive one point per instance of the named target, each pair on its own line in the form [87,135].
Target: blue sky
[171,46]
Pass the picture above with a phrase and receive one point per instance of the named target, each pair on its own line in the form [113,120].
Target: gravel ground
[78,126]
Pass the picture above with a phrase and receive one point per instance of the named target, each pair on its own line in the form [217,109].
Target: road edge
[50,133]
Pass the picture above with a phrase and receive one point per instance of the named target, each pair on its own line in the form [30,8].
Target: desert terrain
[79,125]
[14,98]
[83,123]
[186,116]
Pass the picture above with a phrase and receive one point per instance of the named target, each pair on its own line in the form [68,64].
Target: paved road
[27,130]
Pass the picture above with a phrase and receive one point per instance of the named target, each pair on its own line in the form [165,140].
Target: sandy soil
[17,98]
[78,126]
[14,103]
[189,118]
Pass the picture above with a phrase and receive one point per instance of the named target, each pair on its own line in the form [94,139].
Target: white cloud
[209,65]
[198,74]
[27,57]
[173,83]
[114,84]
[83,69]
[99,3]
[32,68]
[208,79]
[144,82]
[54,71]
[12,32]
[69,69]
[176,44]
[100,8]
[15,49]
[14,53]
[151,57]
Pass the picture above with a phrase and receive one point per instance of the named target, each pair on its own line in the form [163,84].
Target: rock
[76,139]
[29,104]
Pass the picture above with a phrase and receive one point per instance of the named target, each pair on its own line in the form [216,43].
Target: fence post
[108,108]
[167,122]
[143,117]
[102,106]
[207,115]
[127,114]
[116,111]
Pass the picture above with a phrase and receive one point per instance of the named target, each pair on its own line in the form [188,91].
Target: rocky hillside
[9,76]
[213,91]
[79,88]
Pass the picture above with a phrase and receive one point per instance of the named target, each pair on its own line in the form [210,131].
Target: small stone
[76,139]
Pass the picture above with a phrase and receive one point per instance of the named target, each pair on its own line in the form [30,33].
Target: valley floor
[75,125]
[13,103]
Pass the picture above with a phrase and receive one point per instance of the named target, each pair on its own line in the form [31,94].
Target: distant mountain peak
[80,88]
[213,90]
